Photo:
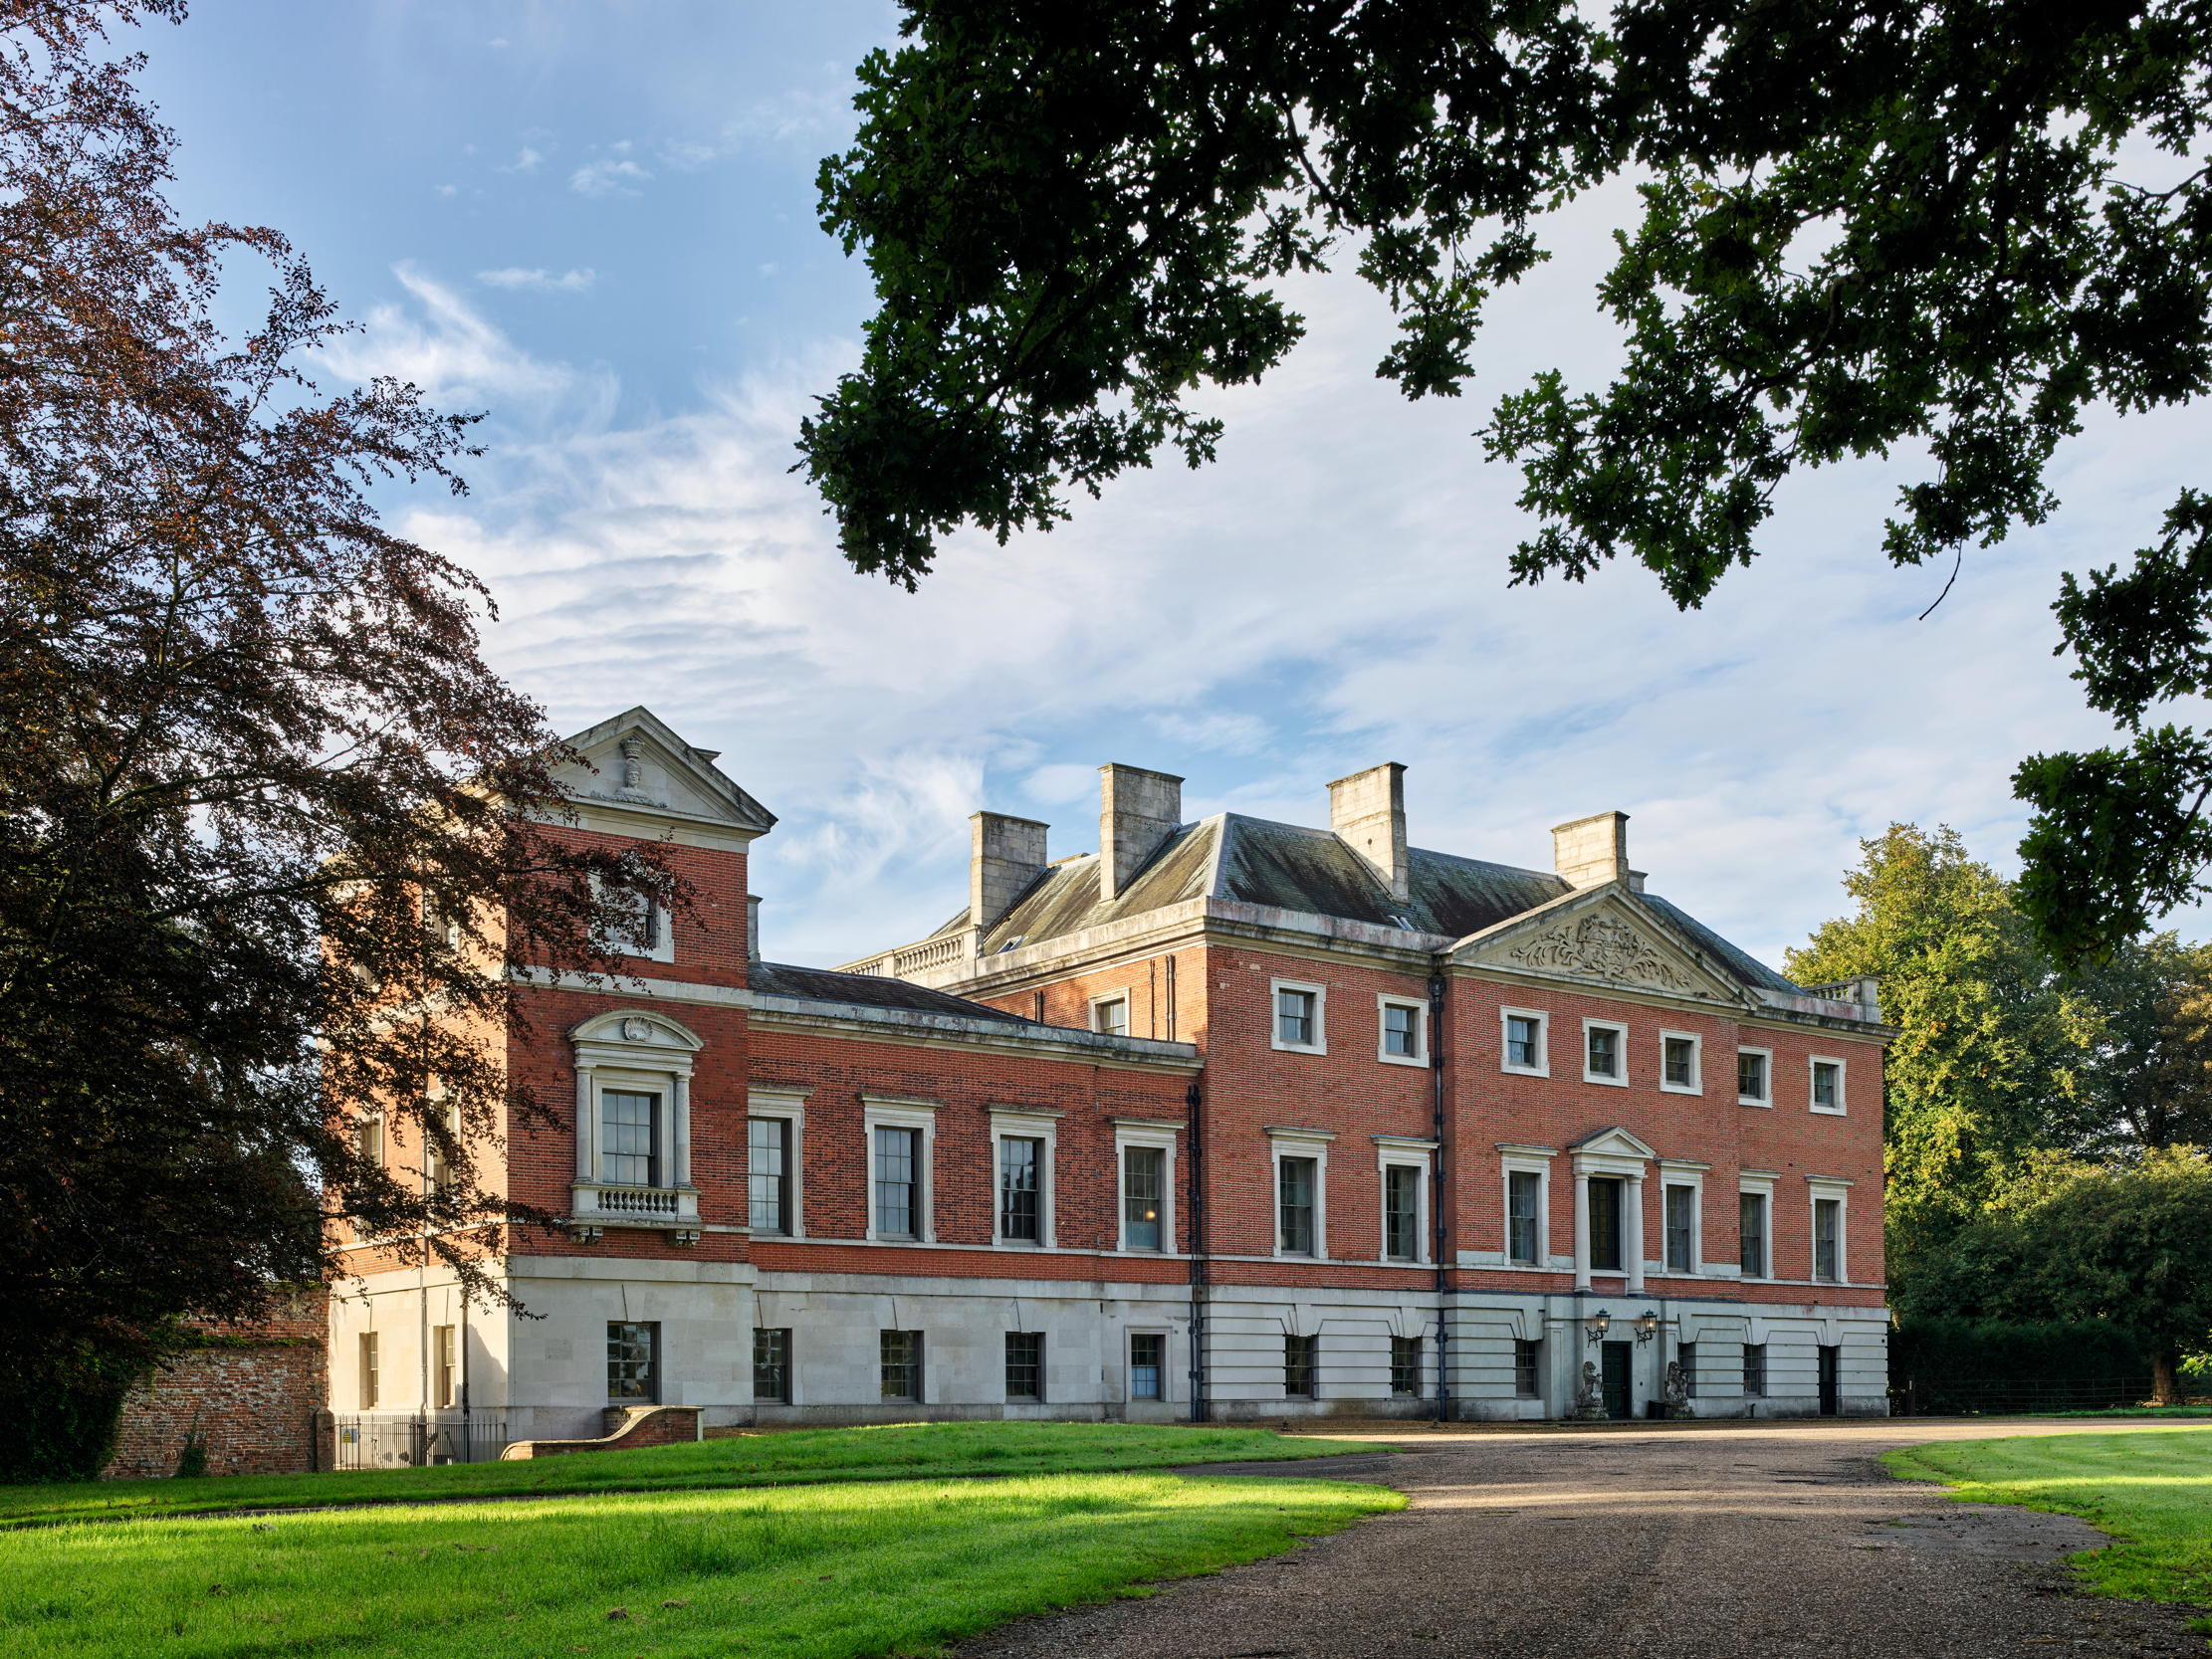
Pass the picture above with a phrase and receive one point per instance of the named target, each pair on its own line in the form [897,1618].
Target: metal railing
[417,1442]
[1938,1396]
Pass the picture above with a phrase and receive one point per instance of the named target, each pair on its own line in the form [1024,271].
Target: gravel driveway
[1708,1543]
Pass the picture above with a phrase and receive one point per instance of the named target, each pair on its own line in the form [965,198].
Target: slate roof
[819,984]
[1286,867]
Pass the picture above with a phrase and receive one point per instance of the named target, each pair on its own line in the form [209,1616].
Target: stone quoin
[1227,1119]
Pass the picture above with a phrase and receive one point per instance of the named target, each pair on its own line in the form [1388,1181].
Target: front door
[1614,1378]
[1831,1400]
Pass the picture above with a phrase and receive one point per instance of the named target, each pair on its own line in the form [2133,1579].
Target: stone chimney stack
[1137,811]
[1368,813]
[1592,851]
[1005,856]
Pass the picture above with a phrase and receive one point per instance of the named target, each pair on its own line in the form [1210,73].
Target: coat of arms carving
[1604,947]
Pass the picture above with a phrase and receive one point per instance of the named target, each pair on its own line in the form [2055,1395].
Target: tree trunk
[2165,1379]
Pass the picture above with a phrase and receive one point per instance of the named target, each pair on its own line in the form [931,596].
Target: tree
[2143,1075]
[1952,225]
[270,828]
[2129,1244]
[1980,1075]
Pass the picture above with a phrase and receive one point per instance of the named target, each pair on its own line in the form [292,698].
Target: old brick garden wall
[249,1396]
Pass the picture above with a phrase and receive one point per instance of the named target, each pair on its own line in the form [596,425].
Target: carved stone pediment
[1606,943]
[1602,947]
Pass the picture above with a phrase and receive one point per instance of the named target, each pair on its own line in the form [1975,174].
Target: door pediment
[1600,937]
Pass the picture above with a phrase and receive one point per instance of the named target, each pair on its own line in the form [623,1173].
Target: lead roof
[1286,867]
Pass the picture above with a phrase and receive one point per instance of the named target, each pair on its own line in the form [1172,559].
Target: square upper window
[1298,1013]
[1605,1052]
[1524,1043]
[1828,1086]
[1402,1037]
[1752,1068]
[1680,1064]
[1110,1014]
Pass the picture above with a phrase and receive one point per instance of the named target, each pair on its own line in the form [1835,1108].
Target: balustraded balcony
[596,1205]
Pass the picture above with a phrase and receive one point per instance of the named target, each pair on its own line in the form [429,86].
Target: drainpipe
[1194,1100]
[1440,1194]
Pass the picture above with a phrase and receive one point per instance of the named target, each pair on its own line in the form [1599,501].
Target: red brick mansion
[1229,1119]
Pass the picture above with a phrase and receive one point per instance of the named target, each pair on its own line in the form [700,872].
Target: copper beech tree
[271,830]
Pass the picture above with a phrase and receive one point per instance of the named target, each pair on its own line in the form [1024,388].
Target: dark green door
[1612,1373]
[1830,1381]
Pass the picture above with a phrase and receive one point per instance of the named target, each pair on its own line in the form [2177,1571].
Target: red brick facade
[820,1317]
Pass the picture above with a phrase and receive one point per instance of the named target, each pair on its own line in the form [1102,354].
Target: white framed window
[1825,1083]
[1402,1030]
[775,1160]
[644,930]
[1300,1171]
[1681,1063]
[1300,1013]
[1110,1013]
[900,1147]
[1527,1178]
[1143,1167]
[1524,1042]
[1681,1222]
[1605,1052]
[1402,1170]
[1754,1076]
[1830,1250]
[1023,1142]
[642,1138]
[1755,1226]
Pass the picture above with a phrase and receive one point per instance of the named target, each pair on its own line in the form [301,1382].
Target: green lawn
[839,1454]
[2151,1489]
[821,1572]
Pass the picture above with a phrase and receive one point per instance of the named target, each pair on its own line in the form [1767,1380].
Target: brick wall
[249,1396]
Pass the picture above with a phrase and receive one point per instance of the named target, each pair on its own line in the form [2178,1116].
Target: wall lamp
[1647,1325]
[1599,1323]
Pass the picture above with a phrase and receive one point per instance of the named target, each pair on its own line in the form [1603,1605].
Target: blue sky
[596,221]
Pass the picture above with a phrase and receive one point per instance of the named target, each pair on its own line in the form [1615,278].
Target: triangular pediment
[635,760]
[1613,1143]
[1602,937]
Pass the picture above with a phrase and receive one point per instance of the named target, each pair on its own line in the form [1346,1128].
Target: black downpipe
[1201,1409]
[1439,1195]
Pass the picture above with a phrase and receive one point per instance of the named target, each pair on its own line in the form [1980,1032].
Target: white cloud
[442,346]
[537,280]
[525,161]
[1342,568]
[609,176]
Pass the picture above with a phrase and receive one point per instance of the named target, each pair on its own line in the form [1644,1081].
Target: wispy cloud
[443,345]
[526,160]
[1331,594]
[537,280]
[609,176]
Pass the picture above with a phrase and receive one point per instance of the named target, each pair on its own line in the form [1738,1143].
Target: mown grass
[837,1571]
[806,1455]
[2130,1411]
[2151,1489]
